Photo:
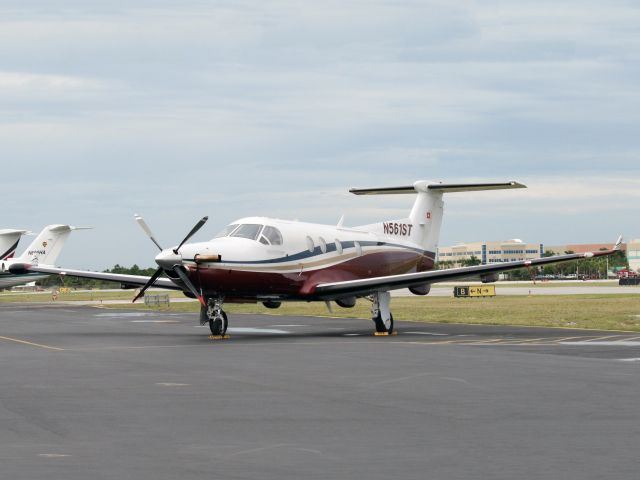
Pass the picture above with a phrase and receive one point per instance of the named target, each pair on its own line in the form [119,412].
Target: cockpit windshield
[248,230]
[272,235]
[266,235]
[227,230]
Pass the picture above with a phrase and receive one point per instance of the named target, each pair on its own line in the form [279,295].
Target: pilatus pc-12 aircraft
[259,259]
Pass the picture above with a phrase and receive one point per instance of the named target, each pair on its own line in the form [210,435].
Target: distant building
[490,252]
[513,250]
[633,255]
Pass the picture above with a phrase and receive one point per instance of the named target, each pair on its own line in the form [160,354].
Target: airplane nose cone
[167,259]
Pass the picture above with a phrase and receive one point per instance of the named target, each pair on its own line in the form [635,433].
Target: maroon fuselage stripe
[235,284]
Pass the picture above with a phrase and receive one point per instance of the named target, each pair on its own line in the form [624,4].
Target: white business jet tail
[422,227]
[46,248]
[9,239]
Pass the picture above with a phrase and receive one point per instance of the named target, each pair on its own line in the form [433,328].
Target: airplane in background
[44,250]
[259,259]
[9,239]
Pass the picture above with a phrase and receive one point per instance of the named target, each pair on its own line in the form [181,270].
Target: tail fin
[423,224]
[9,240]
[46,248]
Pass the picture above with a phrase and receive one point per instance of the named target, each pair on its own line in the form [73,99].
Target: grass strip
[599,312]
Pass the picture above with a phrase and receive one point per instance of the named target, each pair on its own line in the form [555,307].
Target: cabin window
[248,230]
[272,234]
[323,245]
[338,246]
[227,230]
[310,245]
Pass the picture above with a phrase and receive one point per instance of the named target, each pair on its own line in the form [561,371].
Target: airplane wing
[127,280]
[328,291]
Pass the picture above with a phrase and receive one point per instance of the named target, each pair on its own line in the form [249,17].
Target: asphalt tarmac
[108,394]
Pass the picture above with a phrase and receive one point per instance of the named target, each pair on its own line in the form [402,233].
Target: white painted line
[597,339]
[351,335]
[256,330]
[619,343]
[289,325]
[53,455]
[629,359]
[428,333]
[169,384]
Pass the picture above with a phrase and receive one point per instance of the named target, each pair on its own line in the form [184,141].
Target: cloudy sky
[179,109]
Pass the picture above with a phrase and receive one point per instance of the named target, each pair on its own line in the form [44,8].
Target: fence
[156,300]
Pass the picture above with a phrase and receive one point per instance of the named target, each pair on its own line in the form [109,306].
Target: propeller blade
[153,278]
[185,279]
[147,230]
[193,231]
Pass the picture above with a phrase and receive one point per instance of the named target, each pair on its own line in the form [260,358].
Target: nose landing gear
[217,318]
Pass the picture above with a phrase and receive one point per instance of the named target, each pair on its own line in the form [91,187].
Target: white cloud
[178,109]
[50,83]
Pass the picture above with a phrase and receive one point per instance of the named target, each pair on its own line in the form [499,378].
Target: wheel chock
[385,334]
[219,337]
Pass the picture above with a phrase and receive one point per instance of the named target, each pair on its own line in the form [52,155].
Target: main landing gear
[216,317]
[381,314]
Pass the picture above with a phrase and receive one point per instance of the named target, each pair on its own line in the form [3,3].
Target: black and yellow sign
[475,291]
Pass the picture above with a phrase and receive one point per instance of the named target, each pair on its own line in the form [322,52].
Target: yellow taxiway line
[17,340]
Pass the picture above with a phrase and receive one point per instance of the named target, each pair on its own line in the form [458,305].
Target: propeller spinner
[171,260]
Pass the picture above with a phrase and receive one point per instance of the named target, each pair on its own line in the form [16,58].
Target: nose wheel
[218,325]
[215,316]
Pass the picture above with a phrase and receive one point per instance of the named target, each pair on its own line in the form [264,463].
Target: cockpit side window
[248,230]
[272,234]
[227,230]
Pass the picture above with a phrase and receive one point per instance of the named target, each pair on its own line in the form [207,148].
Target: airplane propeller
[170,261]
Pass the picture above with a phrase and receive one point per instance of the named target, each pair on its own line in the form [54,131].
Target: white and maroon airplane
[259,259]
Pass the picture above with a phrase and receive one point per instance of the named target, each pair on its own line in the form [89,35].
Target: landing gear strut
[380,312]
[216,317]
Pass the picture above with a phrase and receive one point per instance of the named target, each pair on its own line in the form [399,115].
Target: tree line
[589,267]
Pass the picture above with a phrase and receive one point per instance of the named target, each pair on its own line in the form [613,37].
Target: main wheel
[380,326]
[218,326]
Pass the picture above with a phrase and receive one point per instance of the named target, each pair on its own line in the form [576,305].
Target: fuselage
[264,258]
[8,280]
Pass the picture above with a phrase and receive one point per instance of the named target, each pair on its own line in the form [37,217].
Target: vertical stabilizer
[9,239]
[46,248]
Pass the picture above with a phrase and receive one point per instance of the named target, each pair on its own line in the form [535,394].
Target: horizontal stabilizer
[423,186]
[383,190]
[474,187]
